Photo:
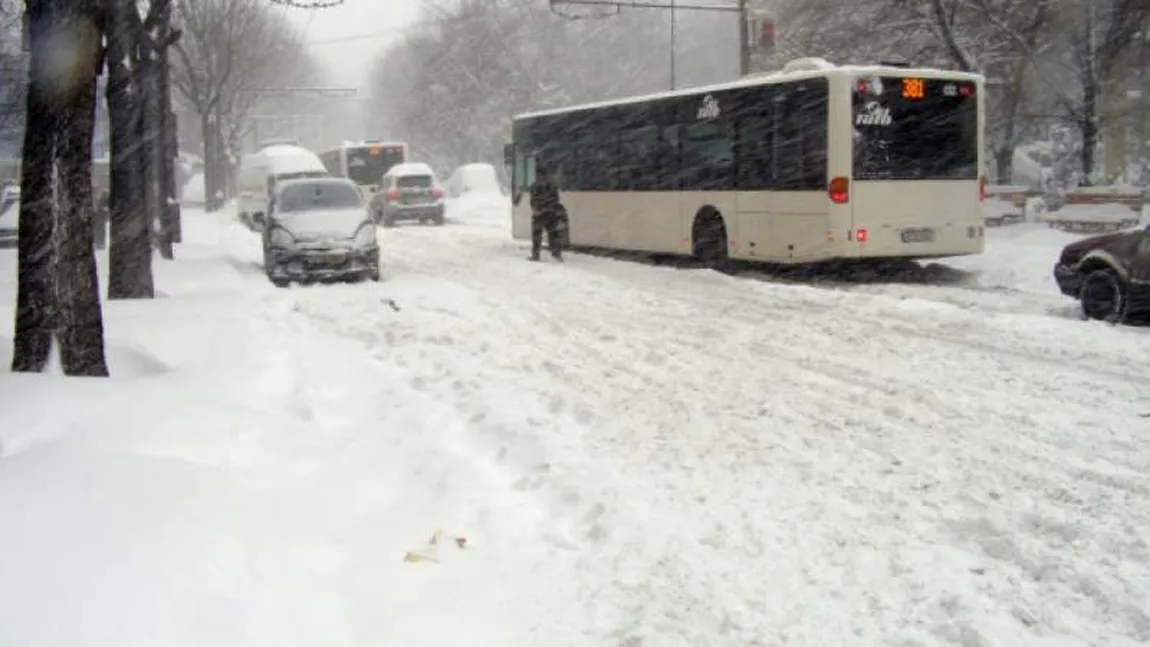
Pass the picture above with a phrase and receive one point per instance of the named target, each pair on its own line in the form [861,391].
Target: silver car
[409,191]
[318,229]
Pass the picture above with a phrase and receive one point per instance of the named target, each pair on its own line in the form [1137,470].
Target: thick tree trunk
[81,322]
[130,253]
[35,305]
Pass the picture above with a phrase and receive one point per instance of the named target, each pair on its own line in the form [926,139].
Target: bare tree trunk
[1089,126]
[153,139]
[81,321]
[130,254]
[212,189]
[35,305]
[172,214]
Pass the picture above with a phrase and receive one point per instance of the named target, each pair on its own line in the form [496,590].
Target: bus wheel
[709,236]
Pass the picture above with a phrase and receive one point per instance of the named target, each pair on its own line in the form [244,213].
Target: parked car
[318,229]
[409,191]
[474,178]
[1109,274]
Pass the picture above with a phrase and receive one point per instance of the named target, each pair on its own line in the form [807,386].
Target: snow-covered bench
[1007,204]
[1097,210]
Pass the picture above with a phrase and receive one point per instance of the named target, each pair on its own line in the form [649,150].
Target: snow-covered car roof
[327,179]
[411,168]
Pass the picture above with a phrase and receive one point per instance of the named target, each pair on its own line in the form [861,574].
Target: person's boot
[534,255]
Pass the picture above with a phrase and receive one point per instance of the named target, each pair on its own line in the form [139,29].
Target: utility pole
[672,44]
[744,40]
[672,5]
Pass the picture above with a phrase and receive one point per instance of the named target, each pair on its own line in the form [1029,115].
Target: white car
[318,229]
[474,178]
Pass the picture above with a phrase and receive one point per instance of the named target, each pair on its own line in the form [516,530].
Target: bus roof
[368,143]
[812,70]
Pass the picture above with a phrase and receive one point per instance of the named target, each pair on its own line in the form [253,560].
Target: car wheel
[1103,296]
[280,283]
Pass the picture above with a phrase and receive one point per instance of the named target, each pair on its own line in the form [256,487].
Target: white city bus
[816,162]
[364,162]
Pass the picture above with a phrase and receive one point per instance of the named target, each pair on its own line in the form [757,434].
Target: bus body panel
[781,226]
[635,173]
[949,210]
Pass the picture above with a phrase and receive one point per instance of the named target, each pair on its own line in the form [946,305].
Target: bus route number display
[913,89]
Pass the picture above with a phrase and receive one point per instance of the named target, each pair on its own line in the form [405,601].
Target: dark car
[1110,274]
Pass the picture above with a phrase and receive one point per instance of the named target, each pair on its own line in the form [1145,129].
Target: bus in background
[816,162]
[365,162]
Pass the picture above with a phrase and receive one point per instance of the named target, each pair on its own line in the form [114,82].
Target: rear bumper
[414,212]
[332,264]
[1068,279]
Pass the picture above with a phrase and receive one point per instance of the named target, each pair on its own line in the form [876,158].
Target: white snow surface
[636,455]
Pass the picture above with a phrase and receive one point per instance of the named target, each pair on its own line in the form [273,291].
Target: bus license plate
[917,235]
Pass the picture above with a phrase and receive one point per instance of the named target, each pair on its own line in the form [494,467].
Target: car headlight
[282,238]
[364,237]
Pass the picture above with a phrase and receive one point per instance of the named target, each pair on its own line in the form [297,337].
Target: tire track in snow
[852,465]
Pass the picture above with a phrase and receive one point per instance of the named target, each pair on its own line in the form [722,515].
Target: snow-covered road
[658,457]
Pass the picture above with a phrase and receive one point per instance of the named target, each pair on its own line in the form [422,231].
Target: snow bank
[245,479]
[193,192]
[486,208]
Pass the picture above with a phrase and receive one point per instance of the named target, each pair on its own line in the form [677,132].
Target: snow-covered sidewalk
[247,479]
[637,456]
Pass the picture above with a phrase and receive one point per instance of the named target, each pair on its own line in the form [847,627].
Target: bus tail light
[982,182]
[861,236]
[839,190]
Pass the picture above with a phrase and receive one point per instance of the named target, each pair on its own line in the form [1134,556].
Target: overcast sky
[347,38]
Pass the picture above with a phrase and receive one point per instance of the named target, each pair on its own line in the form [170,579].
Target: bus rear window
[414,181]
[915,129]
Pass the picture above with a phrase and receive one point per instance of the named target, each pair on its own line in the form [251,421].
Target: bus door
[522,167]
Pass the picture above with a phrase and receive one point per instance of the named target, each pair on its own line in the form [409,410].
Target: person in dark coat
[546,214]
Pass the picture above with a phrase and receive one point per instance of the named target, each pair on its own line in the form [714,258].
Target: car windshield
[318,196]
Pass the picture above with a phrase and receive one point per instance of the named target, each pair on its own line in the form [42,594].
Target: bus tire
[709,236]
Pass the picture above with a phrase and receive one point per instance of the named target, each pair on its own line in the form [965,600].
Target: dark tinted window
[320,195]
[757,138]
[915,129]
[414,181]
